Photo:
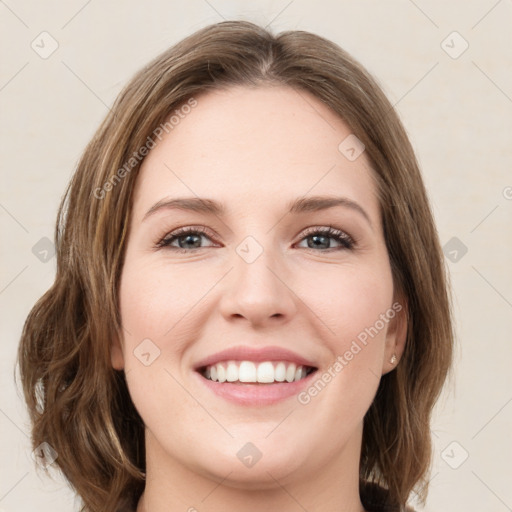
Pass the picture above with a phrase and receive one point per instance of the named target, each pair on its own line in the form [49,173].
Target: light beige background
[458,112]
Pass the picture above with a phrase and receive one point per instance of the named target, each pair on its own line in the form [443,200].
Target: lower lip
[256,394]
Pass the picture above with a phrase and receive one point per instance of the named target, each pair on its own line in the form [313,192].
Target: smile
[255,376]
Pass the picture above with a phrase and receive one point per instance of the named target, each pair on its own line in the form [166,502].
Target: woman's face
[261,280]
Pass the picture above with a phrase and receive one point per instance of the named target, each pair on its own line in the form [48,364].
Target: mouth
[255,373]
[255,376]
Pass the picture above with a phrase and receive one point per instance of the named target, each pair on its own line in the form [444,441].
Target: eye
[188,239]
[318,238]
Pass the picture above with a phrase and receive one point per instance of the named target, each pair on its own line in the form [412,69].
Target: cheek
[156,299]
[357,310]
[354,306]
[154,304]
[159,305]
[350,301]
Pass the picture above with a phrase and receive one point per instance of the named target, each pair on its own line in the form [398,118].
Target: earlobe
[116,355]
[396,336]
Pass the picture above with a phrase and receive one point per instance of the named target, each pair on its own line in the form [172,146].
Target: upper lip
[244,353]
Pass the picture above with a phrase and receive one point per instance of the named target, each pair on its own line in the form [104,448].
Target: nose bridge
[253,262]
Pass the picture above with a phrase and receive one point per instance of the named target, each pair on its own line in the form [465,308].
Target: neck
[174,486]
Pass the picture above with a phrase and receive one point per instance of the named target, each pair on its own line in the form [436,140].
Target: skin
[254,150]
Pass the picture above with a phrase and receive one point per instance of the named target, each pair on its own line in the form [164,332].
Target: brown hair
[81,406]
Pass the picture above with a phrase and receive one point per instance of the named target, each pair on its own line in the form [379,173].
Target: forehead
[260,145]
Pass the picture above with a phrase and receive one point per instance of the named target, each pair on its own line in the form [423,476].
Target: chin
[263,475]
[254,465]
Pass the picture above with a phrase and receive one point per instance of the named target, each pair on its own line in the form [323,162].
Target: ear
[116,354]
[396,335]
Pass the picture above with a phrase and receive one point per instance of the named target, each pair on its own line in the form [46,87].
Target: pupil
[188,237]
[316,237]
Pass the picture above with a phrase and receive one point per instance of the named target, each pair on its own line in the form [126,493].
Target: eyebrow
[212,207]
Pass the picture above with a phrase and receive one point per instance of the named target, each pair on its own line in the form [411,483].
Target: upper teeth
[248,371]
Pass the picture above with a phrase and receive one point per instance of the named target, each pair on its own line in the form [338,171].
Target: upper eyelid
[175,233]
[206,231]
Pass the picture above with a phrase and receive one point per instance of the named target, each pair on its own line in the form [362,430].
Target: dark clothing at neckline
[376,499]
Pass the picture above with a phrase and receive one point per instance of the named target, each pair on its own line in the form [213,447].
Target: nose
[259,291]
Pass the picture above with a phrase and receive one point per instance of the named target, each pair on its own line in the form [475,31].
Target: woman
[250,309]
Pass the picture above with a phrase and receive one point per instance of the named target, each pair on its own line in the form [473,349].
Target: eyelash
[346,241]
